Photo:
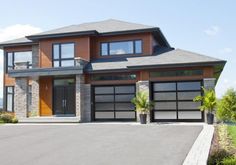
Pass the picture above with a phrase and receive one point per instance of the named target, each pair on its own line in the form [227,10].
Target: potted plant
[208,103]
[143,105]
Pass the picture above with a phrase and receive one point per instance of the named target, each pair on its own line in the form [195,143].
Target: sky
[203,26]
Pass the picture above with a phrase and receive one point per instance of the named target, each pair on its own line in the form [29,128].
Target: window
[63,54]
[113,77]
[10,98]
[13,57]
[176,73]
[121,47]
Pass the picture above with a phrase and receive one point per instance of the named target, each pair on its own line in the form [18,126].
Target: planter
[210,118]
[143,118]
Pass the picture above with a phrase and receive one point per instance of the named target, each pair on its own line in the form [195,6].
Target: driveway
[96,144]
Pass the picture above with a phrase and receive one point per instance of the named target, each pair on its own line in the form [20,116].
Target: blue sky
[206,27]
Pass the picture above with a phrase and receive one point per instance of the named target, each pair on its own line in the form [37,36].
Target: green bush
[8,118]
[218,156]
[229,161]
[227,106]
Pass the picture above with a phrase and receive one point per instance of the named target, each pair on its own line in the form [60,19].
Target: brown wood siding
[145,37]
[45,90]
[82,49]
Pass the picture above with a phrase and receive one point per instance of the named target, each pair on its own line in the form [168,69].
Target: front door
[64,97]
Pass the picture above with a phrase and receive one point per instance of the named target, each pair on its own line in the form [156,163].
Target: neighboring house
[93,70]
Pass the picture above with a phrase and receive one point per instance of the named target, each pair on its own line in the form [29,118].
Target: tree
[227,106]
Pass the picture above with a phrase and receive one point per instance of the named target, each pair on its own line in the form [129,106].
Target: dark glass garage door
[174,101]
[113,102]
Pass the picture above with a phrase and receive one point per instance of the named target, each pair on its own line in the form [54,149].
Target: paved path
[96,144]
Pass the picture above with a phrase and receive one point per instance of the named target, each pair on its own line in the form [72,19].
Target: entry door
[64,100]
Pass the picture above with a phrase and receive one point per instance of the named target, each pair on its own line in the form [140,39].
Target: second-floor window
[13,57]
[63,54]
[121,47]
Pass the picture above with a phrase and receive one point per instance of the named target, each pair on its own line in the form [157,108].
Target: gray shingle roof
[22,40]
[106,26]
[171,58]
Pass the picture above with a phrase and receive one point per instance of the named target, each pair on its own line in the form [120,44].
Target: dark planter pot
[143,118]
[210,118]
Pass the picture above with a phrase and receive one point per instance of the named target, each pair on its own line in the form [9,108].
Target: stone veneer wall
[83,99]
[143,86]
[20,97]
[35,96]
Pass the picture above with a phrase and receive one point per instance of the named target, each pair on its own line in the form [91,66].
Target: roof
[106,27]
[19,41]
[172,58]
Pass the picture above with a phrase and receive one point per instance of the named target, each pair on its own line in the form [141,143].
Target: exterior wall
[145,37]
[45,90]
[82,49]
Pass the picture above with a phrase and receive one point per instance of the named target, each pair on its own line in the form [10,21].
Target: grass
[1,122]
[232,134]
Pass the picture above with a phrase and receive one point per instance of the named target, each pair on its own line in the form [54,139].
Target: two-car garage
[173,102]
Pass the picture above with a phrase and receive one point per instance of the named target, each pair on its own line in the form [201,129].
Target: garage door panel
[124,106]
[164,87]
[165,115]
[189,105]
[125,89]
[104,115]
[165,96]
[104,90]
[190,114]
[125,98]
[104,106]
[188,95]
[165,105]
[125,115]
[104,98]
[189,85]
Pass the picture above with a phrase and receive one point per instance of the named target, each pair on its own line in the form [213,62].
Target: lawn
[232,134]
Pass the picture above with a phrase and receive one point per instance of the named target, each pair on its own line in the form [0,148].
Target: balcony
[22,69]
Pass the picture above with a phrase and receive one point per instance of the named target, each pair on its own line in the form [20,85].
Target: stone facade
[83,99]
[143,86]
[20,97]
[35,96]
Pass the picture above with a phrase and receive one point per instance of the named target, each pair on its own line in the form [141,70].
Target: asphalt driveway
[96,144]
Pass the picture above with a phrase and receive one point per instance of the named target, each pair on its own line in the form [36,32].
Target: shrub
[229,161]
[218,156]
[8,118]
[227,106]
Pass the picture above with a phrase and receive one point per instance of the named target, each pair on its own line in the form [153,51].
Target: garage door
[174,101]
[113,102]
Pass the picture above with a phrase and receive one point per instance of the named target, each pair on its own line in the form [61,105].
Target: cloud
[13,32]
[226,50]
[212,31]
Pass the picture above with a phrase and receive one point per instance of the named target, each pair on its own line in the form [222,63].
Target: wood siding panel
[45,90]
[82,49]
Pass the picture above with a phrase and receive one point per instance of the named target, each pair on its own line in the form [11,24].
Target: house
[93,70]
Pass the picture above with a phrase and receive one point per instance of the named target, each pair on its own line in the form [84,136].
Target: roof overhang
[46,71]
[2,46]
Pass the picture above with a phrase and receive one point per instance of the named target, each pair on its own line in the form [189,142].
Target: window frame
[60,59]
[113,77]
[110,42]
[12,98]
[176,73]
[13,59]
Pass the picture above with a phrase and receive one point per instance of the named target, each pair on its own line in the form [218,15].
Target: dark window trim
[108,47]
[60,59]
[12,97]
[13,59]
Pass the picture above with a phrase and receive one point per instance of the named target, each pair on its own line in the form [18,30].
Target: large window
[176,73]
[10,98]
[13,57]
[105,77]
[121,47]
[63,54]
